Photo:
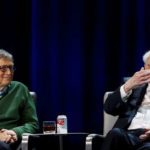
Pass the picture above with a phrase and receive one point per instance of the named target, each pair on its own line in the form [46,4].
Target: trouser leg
[16,145]
[119,139]
[9,146]
[4,146]
[144,146]
[116,140]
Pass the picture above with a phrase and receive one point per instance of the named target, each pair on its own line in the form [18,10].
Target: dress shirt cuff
[123,94]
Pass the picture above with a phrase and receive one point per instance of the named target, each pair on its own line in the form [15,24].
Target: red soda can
[62,124]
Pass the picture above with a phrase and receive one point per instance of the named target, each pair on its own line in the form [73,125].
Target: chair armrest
[24,142]
[89,141]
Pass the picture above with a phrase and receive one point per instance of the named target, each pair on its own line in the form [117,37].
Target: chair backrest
[109,120]
[33,94]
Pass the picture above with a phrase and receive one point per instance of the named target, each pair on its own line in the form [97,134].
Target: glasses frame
[4,68]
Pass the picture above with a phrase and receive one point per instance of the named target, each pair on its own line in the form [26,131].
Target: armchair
[93,141]
[34,96]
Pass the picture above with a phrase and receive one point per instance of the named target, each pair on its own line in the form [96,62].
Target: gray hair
[146,56]
[6,55]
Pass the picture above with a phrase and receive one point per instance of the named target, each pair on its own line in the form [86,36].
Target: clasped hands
[8,136]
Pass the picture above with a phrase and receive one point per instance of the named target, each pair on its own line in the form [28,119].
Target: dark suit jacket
[126,110]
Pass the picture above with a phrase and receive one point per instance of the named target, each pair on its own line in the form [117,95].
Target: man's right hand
[139,78]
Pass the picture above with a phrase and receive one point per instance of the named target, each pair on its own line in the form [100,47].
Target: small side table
[69,141]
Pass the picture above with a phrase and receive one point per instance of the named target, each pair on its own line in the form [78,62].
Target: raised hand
[139,78]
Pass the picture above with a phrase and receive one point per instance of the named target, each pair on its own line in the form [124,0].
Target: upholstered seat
[93,141]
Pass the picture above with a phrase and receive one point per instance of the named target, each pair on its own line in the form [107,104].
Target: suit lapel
[139,94]
[136,100]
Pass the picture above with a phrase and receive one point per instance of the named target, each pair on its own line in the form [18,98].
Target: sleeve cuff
[124,95]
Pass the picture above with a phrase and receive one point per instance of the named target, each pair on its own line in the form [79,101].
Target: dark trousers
[119,139]
[5,146]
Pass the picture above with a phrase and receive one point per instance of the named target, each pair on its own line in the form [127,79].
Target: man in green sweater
[17,108]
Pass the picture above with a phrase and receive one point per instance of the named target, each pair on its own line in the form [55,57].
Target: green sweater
[17,110]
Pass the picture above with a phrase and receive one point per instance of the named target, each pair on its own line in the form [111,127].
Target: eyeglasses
[5,67]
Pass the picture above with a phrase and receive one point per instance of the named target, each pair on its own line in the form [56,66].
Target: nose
[8,71]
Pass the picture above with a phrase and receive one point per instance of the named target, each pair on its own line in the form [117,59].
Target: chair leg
[89,140]
[24,142]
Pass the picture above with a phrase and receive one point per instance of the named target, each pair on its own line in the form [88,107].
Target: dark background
[71,51]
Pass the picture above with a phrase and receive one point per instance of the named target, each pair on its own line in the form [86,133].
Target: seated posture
[131,101]
[17,108]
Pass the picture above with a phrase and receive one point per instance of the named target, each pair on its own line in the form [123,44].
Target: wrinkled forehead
[6,61]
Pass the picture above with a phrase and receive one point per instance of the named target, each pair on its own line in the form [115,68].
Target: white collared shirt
[142,117]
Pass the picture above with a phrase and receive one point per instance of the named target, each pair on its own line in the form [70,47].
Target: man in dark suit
[131,102]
